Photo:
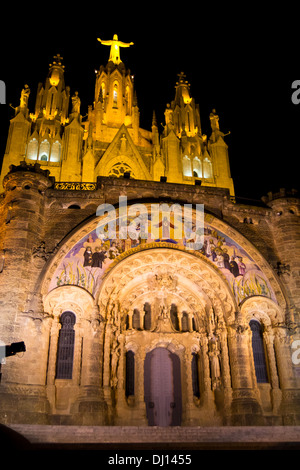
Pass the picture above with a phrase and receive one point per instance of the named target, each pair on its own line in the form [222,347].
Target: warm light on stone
[135,312]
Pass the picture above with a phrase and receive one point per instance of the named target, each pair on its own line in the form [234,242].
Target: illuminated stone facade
[109,140]
[145,331]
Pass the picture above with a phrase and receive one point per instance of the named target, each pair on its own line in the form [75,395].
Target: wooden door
[162,388]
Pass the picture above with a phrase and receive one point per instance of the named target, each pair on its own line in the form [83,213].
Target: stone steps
[196,437]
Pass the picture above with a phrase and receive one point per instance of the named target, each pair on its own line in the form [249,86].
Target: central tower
[114,93]
[108,141]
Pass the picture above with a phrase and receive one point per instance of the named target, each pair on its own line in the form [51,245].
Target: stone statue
[164,312]
[24,96]
[115,354]
[168,114]
[115,45]
[215,364]
[76,103]
[214,120]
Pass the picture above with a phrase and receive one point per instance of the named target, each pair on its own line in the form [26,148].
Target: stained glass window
[65,350]
[259,352]
[129,373]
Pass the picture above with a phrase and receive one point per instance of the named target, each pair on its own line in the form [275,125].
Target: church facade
[144,293]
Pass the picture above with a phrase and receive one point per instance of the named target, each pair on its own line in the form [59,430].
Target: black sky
[239,60]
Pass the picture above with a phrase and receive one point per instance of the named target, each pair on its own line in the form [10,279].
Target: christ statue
[115,45]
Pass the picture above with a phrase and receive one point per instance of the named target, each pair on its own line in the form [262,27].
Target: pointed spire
[90,136]
[154,120]
[134,101]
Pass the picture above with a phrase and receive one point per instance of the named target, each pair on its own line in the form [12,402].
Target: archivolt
[189,279]
[86,228]
[262,309]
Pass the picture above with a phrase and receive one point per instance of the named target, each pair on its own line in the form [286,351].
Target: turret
[218,149]
[19,131]
[73,142]
[38,136]
[88,160]
[114,97]
[186,117]
[286,233]
[22,231]
[50,116]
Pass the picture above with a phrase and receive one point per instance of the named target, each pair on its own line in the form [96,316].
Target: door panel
[162,388]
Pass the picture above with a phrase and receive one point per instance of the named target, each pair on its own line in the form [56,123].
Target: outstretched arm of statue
[125,44]
[105,43]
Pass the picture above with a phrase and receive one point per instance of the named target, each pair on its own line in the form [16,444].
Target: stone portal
[163,388]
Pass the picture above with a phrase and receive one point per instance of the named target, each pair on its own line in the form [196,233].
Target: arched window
[115,95]
[195,375]
[136,319]
[127,99]
[197,168]
[103,89]
[186,166]
[65,349]
[51,101]
[147,317]
[32,149]
[44,150]
[185,322]
[118,170]
[207,168]
[259,352]
[55,151]
[174,317]
[129,386]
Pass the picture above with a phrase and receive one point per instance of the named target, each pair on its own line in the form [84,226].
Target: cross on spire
[57,60]
[182,79]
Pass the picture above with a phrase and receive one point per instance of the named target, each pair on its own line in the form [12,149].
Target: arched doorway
[162,382]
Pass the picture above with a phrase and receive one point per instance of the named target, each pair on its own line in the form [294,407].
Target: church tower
[114,93]
[181,308]
[109,140]
[50,116]
[120,145]
[188,156]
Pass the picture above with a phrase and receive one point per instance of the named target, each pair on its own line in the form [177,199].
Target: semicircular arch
[249,275]
[167,276]
[69,298]
[263,309]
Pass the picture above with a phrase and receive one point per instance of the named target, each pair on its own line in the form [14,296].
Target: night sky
[240,60]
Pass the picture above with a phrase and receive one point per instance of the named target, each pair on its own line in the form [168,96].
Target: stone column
[274,379]
[77,354]
[226,377]
[245,409]
[90,406]
[121,402]
[208,398]
[130,320]
[290,405]
[106,370]
[190,407]
[139,385]
[179,316]
[142,317]
[190,322]
[50,381]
